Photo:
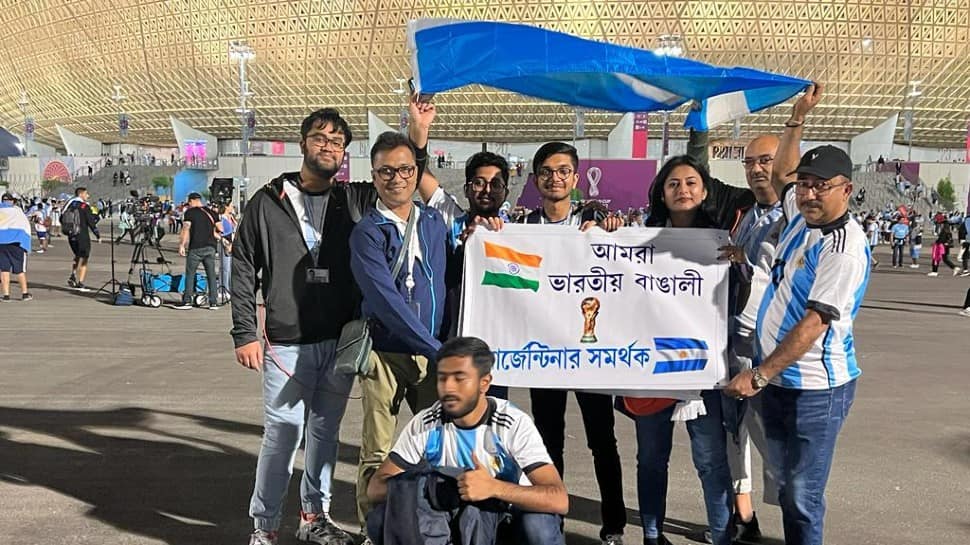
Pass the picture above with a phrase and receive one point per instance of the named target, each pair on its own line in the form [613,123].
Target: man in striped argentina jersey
[806,361]
[493,445]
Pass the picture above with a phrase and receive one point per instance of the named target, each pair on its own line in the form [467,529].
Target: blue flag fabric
[448,54]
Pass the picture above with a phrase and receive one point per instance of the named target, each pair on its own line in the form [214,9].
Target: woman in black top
[685,195]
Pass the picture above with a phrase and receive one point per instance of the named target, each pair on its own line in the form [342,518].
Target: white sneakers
[965,312]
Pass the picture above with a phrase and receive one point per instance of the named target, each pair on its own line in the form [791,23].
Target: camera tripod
[114,283]
[145,240]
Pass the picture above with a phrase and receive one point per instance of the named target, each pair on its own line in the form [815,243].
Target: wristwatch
[758,380]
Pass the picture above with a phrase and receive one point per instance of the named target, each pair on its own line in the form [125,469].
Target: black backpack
[71,221]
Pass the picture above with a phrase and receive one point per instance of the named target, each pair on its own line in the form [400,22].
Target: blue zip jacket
[374,245]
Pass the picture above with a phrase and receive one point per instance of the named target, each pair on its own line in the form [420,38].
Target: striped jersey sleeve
[838,274]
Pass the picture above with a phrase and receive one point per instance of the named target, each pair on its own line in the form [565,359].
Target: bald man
[754,236]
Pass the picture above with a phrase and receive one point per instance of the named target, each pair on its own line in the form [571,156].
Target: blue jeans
[521,528]
[535,528]
[207,257]
[226,272]
[708,446]
[801,427]
[315,396]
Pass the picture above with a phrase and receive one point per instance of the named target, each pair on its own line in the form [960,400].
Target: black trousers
[898,248]
[966,302]
[549,411]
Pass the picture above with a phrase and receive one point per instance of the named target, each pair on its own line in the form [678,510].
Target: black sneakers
[745,533]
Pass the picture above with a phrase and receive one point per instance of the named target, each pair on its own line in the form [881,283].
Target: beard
[317,166]
[486,211]
[462,410]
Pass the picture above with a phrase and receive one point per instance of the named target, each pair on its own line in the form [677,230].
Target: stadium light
[24,104]
[242,53]
[671,45]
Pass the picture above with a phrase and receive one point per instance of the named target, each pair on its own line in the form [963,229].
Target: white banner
[637,309]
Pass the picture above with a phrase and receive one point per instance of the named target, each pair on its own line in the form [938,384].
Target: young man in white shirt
[492,446]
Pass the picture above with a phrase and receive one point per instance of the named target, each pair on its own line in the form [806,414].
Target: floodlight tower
[119,98]
[24,104]
[911,96]
[671,45]
[239,51]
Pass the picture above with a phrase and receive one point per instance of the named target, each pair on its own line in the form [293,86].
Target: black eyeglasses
[763,160]
[389,173]
[321,141]
[545,172]
[802,187]
[495,185]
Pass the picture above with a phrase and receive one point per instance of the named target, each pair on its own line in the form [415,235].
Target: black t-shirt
[202,228]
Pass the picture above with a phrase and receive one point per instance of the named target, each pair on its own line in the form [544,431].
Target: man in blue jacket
[406,310]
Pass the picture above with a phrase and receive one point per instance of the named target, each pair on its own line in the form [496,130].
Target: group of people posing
[312,256]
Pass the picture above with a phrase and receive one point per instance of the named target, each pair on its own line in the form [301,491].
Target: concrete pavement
[132,425]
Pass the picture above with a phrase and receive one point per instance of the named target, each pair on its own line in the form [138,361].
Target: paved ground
[125,425]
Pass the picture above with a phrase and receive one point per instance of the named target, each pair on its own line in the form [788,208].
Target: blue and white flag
[679,354]
[448,54]
[14,226]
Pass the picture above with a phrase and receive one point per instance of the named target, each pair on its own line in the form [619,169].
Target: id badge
[318,276]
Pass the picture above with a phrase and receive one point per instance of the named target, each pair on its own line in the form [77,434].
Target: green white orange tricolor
[509,268]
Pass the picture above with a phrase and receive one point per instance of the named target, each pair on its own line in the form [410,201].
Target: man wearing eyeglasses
[555,166]
[293,243]
[806,362]
[486,189]
[754,237]
[405,310]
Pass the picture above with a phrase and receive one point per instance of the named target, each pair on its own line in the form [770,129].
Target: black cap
[826,162]
[193,196]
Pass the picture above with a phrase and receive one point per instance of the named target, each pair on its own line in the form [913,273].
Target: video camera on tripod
[146,211]
[220,192]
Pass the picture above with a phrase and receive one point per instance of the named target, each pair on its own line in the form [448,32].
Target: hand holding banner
[634,310]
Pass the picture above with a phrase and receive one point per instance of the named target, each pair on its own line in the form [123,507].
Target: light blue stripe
[678,343]
[433,447]
[465,440]
[679,366]
[795,309]
[15,236]
[848,343]
[827,356]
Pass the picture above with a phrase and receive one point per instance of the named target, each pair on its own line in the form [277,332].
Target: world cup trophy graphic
[590,308]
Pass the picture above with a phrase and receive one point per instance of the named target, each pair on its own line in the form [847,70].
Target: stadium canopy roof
[171,58]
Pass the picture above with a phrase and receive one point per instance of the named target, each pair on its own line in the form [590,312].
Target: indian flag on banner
[508,268]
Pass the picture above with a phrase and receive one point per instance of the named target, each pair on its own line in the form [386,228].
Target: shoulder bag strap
[406,244]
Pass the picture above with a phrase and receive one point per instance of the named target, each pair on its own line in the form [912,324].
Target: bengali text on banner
[630,311]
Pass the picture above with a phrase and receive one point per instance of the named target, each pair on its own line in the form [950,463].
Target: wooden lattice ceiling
[170,57]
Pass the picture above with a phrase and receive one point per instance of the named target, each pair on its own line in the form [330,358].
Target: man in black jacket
[293,245]
[79,239]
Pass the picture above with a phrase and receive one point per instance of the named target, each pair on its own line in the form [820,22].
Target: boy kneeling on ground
[470,469]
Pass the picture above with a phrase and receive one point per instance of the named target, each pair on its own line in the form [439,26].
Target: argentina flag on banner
[679,354]
[447,54]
